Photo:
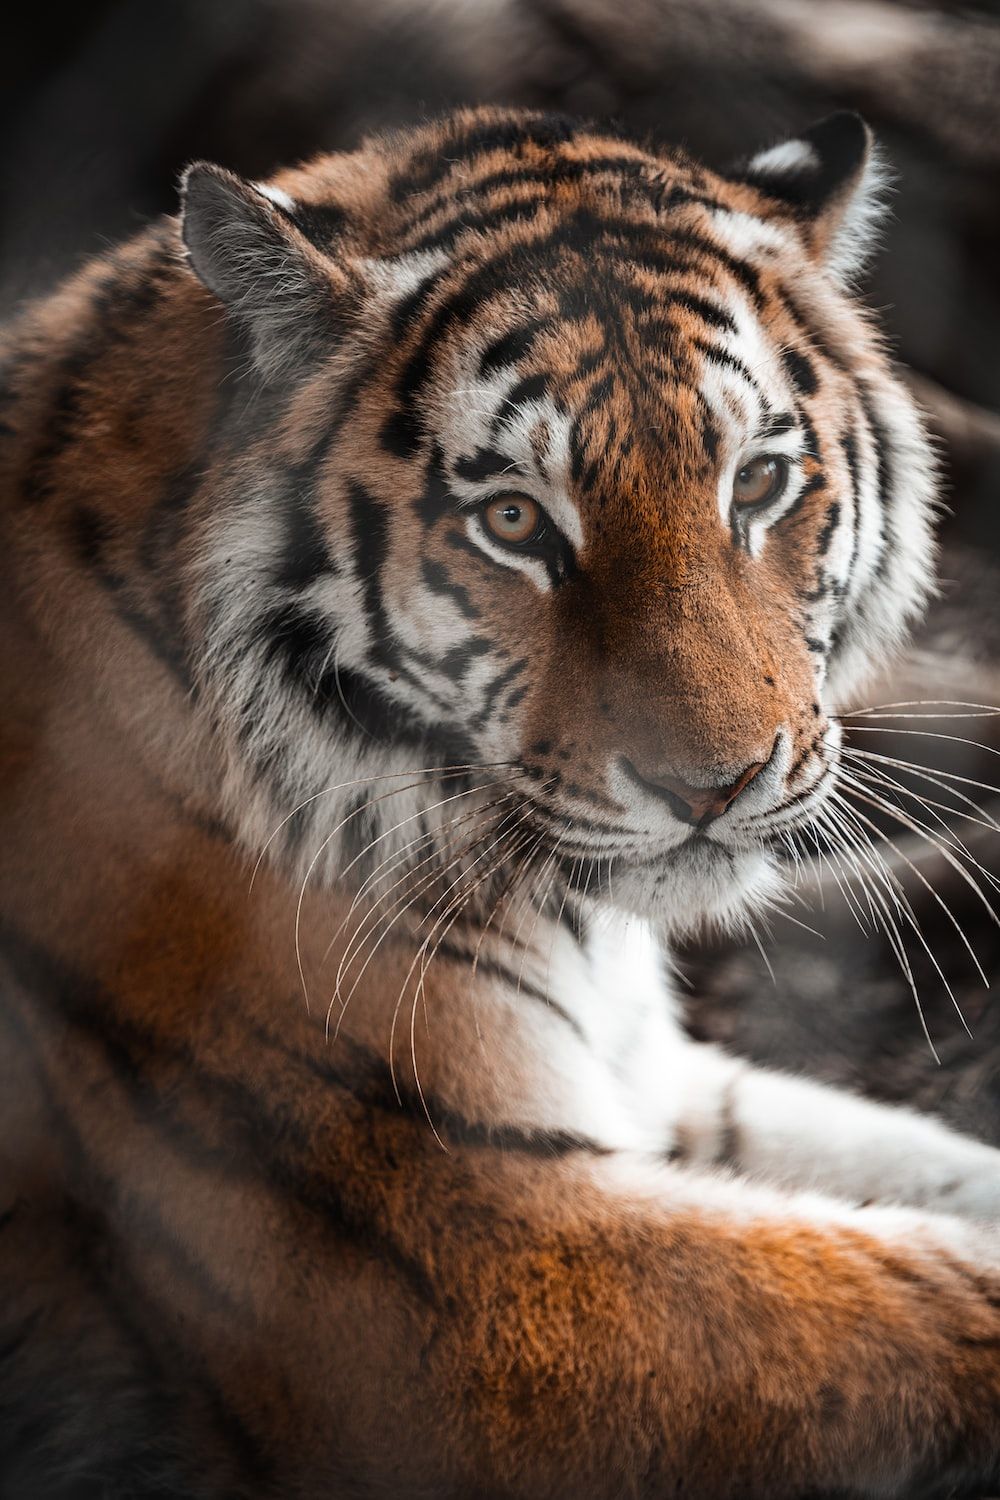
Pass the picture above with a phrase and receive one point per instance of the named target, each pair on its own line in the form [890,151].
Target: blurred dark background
[102,107]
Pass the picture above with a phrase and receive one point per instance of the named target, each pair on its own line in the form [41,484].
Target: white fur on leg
[801,1134]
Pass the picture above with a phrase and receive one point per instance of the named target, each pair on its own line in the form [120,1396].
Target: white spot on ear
[747,236]
[400,275]
[790,156]
[277,196]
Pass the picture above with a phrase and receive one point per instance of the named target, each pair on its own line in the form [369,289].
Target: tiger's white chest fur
[583,1037]
[607,1060]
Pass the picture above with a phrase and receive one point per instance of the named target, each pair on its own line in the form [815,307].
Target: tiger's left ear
[245,247]
[833,183]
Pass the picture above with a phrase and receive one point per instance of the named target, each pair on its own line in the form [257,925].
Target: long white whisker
[458,902]
[398,909]
[924,773]
[905,909]
[438,772]
[398,856]
[900,816]
[370,920]
[879,901]
[928,734]
[878,782]
[355,812]
[877,709]
[859,816]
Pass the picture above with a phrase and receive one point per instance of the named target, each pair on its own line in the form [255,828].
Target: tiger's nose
[695,805]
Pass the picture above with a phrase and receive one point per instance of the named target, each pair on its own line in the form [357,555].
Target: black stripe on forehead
[519,210]
[660,421]
[463,140]
[726,361]
[582,232]
[510,348]
[485,463]
[536,174]
[632,176]
[777,425]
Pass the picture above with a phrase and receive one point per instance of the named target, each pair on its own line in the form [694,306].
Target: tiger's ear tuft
[245,249]
[832,181]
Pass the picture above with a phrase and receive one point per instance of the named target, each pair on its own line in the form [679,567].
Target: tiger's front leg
[655,1332]
[797,1133]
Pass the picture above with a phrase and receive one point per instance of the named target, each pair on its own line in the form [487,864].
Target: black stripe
[437,578]
[493,689]
[370,530]
[264,1131]
[517,211]
[474,214]
[829,528]
[485,463]
[128,1308]
[114,316]
[666,254]
[849,446]
[301,643]
[706,311]
[90,535]
[321,223]
[424,170]
[436,501]
[727,361]
[815,340]
[884,481]
[515,982]
[813,484]
[305,555]
[402,430]
[530,388]
[456,662]
[510,348]
[800,372]
[782,422]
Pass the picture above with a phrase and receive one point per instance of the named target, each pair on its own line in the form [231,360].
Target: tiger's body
[391,521]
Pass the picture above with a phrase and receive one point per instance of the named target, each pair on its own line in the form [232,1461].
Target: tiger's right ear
[831,180]
[248,252]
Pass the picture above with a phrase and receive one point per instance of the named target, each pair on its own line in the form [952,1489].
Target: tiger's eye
[760,480]
[514,519]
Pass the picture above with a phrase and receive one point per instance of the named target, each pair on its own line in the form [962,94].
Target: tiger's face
[606,480]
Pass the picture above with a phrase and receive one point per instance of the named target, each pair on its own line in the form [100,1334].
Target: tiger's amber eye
[514,519]
[760,480]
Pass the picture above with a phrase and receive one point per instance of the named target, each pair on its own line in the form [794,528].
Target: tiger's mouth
[794,819]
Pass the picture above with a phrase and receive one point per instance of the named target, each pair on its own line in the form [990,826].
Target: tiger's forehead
[632,391]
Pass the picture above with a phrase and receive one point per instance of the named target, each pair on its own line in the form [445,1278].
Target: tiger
[435,573]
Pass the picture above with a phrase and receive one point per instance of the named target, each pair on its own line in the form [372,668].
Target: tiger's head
[565,460]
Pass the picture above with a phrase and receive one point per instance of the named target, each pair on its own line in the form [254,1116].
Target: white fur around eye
[507,557]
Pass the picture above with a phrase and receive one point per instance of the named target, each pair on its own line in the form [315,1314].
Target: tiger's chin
[701,884]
